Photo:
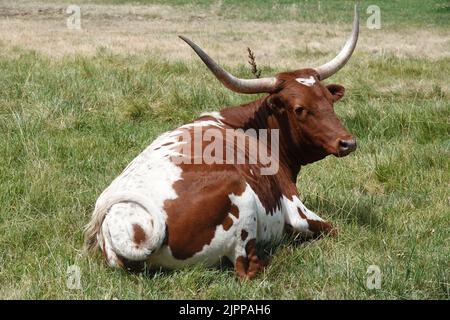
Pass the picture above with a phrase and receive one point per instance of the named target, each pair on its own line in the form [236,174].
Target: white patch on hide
[306,81]
[292,216]
[148,182]
[213,114]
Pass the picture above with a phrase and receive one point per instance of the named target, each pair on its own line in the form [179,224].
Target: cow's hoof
[334,232]
[248,268]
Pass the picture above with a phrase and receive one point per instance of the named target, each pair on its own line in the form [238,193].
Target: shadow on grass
[361,210]
[225,265]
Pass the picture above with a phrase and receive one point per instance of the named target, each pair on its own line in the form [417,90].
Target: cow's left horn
[263,85]
[328,69]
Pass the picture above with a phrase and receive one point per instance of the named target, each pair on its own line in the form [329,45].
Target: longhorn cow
[170,213]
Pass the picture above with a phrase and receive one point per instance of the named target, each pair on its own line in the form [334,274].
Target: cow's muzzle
[346,146]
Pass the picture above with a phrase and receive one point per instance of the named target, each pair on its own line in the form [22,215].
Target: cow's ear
[337,91]
[276,103]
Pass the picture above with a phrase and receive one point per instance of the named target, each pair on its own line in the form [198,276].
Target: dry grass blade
[252,62]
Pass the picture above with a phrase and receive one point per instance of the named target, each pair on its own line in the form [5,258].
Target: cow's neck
[257,115]
[251,115]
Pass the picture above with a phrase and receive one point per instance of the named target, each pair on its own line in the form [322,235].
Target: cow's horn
[328,69]
[262,85]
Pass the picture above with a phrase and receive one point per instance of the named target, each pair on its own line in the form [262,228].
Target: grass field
[77,107]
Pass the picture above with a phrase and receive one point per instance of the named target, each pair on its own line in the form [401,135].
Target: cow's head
[305,106]
[302,105]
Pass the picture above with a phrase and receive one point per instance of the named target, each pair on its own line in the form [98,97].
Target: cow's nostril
[343,143]
[347,145]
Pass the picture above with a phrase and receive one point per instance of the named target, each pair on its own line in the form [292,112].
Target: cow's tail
[127,225]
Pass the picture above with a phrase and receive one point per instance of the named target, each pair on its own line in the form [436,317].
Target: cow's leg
[301,220]
[244,256]
[247,263]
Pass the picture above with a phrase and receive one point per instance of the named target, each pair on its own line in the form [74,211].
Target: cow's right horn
[263,85]
[331,67]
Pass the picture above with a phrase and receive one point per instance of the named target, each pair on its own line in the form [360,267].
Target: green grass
[394,13]
[68,126]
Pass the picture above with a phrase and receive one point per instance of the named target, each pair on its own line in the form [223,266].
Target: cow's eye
[299,110]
